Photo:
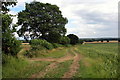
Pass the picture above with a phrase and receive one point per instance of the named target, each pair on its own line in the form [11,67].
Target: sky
[86,18]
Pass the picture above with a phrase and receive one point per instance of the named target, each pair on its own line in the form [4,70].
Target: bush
[11,46]
[29,54]
[39,42]
[55,45]
[37,47]
[64,40]
[68,45]
[81,41]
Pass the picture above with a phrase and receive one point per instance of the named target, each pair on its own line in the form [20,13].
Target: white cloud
[87,18]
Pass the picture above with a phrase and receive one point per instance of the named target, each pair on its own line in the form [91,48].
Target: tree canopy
[39,19]
[9,44]
[73,39]
[53,37]
[5,5]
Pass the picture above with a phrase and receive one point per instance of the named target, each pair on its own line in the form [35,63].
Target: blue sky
[86,19]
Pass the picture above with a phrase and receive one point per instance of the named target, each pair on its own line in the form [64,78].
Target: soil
[55,61]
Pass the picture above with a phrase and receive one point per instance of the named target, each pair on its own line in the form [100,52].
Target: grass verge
[19,68]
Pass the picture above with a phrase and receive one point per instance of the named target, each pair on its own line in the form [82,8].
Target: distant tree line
[99,39]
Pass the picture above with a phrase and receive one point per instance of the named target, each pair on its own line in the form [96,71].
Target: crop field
[79,61]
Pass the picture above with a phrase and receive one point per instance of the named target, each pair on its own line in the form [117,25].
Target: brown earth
[74,66]
[42,73]
[72,69]
[55,61]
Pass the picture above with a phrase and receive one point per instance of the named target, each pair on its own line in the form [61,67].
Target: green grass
[98,61]
[60,70]
[102,59]
[54,54]
[18,68]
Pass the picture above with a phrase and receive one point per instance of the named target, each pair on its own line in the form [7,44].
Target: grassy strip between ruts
[60,70]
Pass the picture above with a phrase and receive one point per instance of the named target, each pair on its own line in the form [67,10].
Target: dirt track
[55,61]
[74,66]
[42,73]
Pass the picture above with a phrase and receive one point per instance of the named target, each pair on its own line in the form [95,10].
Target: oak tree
[39,19]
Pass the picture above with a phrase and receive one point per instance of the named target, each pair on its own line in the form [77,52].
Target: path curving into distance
[62,59]
[55,61]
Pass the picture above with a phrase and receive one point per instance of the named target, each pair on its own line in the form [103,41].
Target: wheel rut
[53,65]
[55,61]
[42,73]
[74,66]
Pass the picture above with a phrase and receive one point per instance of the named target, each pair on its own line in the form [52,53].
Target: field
[79,61]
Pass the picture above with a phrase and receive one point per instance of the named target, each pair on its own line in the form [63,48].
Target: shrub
[55,45]
[68,45]
[11,46]
[64,40]
[40,42]
[37,47]
[81,41]
[29,54]
[107,40]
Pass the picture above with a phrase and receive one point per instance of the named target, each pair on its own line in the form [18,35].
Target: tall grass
[21,68]
[103,60]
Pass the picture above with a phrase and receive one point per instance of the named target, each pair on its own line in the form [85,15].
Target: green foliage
[10,44]
[107,40]
[81,41]
[67,45]
[40,19]
[6,4]
[37,47]
[73,39]
[54,37]
[19,68]
[28,54]
[40,42]
[64,40]
[55,45]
